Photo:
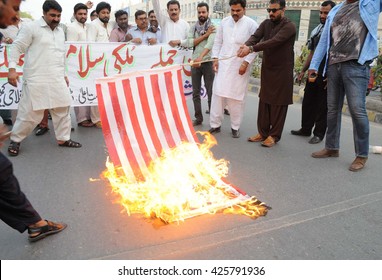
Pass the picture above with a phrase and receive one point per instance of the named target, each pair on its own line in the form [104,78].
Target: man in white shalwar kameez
[45,85]
[87,116]
[232,73]
[99,31]
[173,27]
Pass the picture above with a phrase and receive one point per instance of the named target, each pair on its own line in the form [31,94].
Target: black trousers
[15,208]
[314,108]
[208,74]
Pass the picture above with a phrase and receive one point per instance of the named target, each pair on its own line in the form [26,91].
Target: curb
[373,103]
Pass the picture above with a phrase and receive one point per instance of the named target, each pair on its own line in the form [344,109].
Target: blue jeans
[348,79]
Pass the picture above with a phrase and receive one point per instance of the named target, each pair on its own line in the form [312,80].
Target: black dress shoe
[315,140]
[207,111]
[41,131]
[235,133]
[300,132]
[214,130]
[226,112]
[196,122]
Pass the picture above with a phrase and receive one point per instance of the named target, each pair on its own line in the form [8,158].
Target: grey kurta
[278,60]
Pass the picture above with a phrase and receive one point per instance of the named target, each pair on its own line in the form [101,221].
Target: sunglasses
[273,10]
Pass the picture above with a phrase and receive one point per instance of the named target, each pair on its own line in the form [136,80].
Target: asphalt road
[320,210]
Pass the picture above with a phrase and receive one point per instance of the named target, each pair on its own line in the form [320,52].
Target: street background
[320,210]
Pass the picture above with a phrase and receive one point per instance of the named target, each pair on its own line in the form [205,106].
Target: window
[294,16]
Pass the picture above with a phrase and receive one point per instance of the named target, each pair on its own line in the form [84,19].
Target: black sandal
[44,231]
[14,149]
[71,144]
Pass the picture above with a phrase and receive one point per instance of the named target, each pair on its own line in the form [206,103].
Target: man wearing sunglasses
[349,41]
[275,37]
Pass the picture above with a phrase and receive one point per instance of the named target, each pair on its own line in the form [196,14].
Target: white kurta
[229,37]
[44,68]
[77,32]
[170,30]
[97,32]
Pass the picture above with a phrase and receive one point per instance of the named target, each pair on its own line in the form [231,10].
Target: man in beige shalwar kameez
[45,85]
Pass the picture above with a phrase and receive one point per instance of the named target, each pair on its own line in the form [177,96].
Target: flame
[183,182]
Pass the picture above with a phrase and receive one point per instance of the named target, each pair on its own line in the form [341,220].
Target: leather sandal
[38,233]
[256,138]
[70,144]
[13,149]
[86,123]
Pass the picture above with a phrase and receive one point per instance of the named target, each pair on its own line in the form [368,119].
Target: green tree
[300,60]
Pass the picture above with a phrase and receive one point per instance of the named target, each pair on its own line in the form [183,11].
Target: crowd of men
[341,50]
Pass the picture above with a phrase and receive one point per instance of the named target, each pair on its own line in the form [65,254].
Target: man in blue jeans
[349,41]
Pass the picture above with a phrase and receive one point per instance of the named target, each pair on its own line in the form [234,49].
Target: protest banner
[86,62]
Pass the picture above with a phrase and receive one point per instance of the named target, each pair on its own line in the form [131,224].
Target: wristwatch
[250,49]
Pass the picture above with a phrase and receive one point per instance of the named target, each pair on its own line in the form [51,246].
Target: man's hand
[174,43]
[196,63]
[243,67]
[137,41]
[300,77]
[243,51]
[89,4]
[210,30]
[8,40]
[215,66]
[13,77]
[128,37]
[152,41]
[312,75]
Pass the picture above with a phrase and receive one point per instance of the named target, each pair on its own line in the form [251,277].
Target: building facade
[304,13]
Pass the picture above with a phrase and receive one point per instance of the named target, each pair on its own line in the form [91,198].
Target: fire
[185,181]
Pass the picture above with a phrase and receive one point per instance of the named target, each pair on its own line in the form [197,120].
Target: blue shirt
[137,33]
[369,11]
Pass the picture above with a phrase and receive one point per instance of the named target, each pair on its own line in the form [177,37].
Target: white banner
[87,61]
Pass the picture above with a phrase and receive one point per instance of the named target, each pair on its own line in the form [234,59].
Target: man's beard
[104,20]
[202,19]
[123,25]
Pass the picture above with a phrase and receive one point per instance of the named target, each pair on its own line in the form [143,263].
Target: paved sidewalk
[373,101]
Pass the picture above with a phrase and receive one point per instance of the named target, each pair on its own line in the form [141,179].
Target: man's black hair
[243,3]
[51,5]
[80,6]
[280,2]
[138,13]
[204,4]
[173,2]
[120,13]
[150,12]
[328,3]
[101,6]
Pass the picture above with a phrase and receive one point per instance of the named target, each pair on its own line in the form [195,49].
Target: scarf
[201,29]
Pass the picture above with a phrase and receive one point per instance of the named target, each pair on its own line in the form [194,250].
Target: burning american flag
[158,166]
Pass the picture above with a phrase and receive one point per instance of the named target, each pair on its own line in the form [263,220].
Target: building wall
[301,10]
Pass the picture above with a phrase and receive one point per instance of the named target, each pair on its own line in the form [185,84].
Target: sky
[34,7]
